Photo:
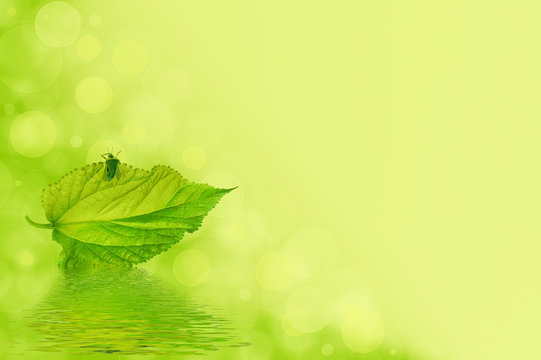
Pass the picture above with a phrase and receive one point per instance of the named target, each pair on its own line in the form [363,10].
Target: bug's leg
[104,156]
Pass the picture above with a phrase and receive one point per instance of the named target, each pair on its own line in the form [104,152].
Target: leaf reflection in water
[123,312]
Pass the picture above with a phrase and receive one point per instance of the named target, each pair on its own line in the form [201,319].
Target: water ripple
[125,312]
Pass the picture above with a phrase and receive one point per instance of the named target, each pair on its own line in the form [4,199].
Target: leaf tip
[231,189]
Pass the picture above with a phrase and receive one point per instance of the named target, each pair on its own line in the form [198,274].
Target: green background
[386,153]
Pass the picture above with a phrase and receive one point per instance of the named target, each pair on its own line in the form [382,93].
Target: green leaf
[124,221]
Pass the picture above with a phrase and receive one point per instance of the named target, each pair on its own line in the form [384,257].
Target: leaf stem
[38,225]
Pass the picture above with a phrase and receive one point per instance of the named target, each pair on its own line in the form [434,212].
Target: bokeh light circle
[275,271]
[130,57]
[76,141]
[191,267]
[308,309]
[26,64]
[194,157]
[94,95]
[134,131]
[362,330]
[58,24]
[33,134]
[88,47]
[26,259]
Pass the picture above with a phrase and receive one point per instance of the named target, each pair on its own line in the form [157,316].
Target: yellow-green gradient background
[387,155]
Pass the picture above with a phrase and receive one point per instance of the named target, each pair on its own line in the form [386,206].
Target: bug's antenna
[118,153]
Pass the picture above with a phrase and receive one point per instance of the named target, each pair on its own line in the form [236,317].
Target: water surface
[122,312]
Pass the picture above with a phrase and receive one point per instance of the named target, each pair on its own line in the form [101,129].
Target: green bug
[111,166]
